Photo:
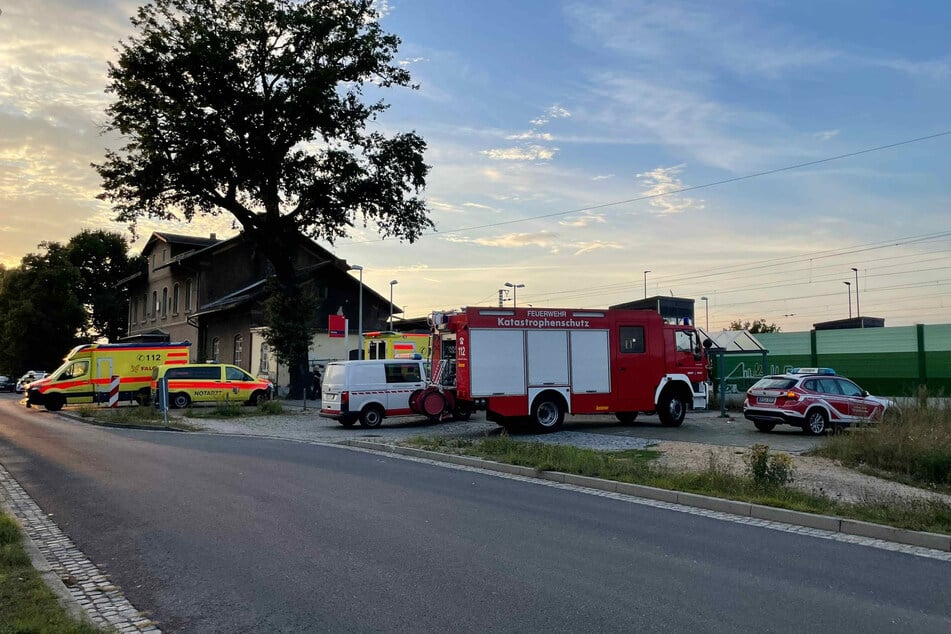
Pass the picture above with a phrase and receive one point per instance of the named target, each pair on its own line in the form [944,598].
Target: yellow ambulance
[383,344]
[88,370]
[210,383]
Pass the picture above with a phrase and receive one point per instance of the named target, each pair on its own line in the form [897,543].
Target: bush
[768,470]
[227,409]
[270,407]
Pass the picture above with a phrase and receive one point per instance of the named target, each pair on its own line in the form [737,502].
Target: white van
[370,390]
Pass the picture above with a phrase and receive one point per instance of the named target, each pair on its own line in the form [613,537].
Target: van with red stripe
[370,390]
[88,371]
[210,383]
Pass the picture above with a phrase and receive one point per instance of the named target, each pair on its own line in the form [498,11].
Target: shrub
[227,409]
[768,470]
[270,407]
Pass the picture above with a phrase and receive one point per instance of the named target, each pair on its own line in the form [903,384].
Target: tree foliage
[61,297]
[102,258]
[256,108]
[755,327]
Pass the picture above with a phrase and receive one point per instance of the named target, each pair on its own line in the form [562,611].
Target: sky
[594,151]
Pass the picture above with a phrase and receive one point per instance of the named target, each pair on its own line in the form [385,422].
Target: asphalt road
[214,533]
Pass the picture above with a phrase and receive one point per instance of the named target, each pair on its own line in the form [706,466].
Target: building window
[188,296]
[145,307]
[154,304]
[164,255]
[164,302]
[134,312]
[175,299]
[215,349]
[238,349]
[265,362]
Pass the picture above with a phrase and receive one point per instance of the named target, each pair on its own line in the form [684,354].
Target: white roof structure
[736,341]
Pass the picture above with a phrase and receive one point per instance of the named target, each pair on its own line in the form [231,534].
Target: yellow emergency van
[384,344]
[88,371]
[210,383]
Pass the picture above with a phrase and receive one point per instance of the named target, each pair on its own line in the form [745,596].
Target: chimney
[214,236]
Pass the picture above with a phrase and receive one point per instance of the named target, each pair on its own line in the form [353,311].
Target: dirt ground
[820,476]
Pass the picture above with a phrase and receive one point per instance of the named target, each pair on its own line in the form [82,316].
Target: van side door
[402,379]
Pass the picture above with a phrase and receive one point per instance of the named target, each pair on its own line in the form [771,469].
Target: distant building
[211,292]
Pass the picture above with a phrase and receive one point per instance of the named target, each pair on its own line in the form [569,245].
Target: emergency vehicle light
[822,371]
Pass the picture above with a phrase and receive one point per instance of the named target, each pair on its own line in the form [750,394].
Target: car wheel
[671,409]
[371,416]
[547,414]
[816,423]
[764,427]
[258,398]
[54,402]
[626,418]
[180,400]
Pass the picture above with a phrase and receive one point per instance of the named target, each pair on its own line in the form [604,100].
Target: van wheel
[671,409]
[371,416]
[54,402]
[180,400]
[547,414]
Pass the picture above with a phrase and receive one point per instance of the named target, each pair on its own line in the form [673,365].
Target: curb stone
[935,541]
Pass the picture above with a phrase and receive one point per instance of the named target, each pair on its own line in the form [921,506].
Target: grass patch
[26,603]
[141,415]
[234,409]
[638,467]
[913,447]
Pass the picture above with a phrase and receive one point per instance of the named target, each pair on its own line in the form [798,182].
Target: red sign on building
[337,325]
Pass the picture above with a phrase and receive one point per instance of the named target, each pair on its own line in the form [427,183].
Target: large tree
[256,108]
[41,316]
[102,258]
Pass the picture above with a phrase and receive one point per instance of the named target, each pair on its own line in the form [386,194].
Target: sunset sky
[561,135]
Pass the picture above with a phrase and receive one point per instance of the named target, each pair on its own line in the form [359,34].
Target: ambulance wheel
[180,400]
[258,398]
[547,413]
[626,418]
[671,409]
[54,402]
[371,416]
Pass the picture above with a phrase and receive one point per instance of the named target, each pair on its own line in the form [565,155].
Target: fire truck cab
[541,364]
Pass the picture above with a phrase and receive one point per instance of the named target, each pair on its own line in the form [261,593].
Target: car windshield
[774,383]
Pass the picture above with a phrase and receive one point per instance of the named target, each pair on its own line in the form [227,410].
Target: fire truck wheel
[626,418]
[181,400]
[671,409]
[371,416]
[816,423]
[54,402]
[462,413]
[547,413]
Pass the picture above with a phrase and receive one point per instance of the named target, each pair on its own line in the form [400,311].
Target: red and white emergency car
[543,363]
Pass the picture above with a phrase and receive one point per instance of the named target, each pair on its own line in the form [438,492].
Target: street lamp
[706,305]
[357,267]
[645,284]
[858,311]
[392,284]
[514,288]
[849,284]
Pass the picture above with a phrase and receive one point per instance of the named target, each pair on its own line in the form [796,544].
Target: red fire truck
[543,363]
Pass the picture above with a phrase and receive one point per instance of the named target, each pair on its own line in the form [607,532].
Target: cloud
[825,135]
[542,239]
[588,247]
[584,220]
[602,177]
[478,206]
[524,136]
[659,183]
[529,153]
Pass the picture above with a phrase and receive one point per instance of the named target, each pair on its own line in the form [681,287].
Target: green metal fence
[885,361]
